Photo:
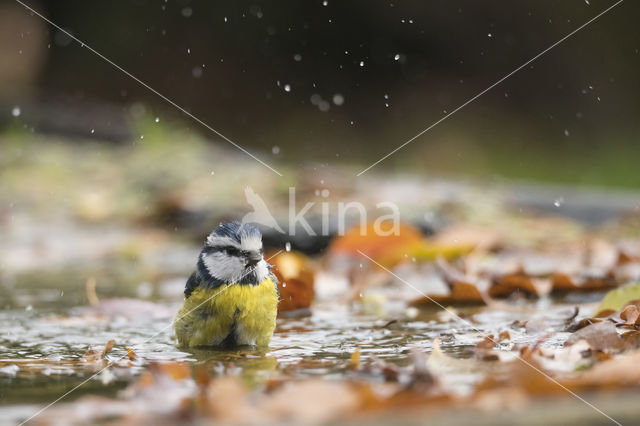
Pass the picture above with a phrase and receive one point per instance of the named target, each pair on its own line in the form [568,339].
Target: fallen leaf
[602,336]
[616,299]
[461,294]
[354,361]
[107,348]
[296,279]
[563,283]
[630,315]
[506,285]
[386,249]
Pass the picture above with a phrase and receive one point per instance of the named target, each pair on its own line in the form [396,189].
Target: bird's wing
[192,283]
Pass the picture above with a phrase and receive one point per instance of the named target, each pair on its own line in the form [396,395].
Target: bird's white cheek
[262,270]
[225,268]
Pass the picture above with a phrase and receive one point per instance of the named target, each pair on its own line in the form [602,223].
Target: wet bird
[232,297]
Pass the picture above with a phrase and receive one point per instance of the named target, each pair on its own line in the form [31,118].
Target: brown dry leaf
[602,336]
[94,355]
[461,289]
[563,283]
[131,355]
[504,335]
[630,315]
[175,370]
[484,350]
[462,293]
[107,348]
[296,278]
[506,285]
[582,324]
[354,361]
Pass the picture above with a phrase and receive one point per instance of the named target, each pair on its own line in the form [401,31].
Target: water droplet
[212,173]
[324,106]
[284,285]
[316,99]
[338,99]
[28,308]
[187,12]
[141,136]
[225,19]
[287,88]
[489,35]
[362,63]
[93,131]
[558,201]
[325,3]
[566,132]
[287,246]
[15,111]
[196,72]
[297,57]
[188,50]
[397,57]
[275,149]
[325,193]
[157,119]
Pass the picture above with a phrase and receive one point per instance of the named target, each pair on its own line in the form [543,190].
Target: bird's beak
[253,259]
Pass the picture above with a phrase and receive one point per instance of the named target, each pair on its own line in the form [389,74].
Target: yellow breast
[246,312]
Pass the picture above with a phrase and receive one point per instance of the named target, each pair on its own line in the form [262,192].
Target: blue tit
[232,297]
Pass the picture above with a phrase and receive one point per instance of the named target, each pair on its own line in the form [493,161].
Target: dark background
[569,117]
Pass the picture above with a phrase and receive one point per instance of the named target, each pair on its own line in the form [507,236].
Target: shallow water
[45,335]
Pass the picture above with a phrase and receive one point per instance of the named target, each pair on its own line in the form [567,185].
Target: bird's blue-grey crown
[233,253]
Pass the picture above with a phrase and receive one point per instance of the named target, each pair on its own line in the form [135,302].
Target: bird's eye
[231,251]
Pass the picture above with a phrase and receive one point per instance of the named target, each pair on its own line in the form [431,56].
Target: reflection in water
[56,337]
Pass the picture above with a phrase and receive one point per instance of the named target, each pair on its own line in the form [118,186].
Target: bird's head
[233,254]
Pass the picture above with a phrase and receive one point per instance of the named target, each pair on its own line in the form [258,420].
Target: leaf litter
[352,340]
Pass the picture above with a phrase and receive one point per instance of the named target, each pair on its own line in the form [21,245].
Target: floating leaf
[296,278]
[461,294]
[616,299]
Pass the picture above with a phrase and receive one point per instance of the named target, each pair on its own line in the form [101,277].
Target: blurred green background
[341,82]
